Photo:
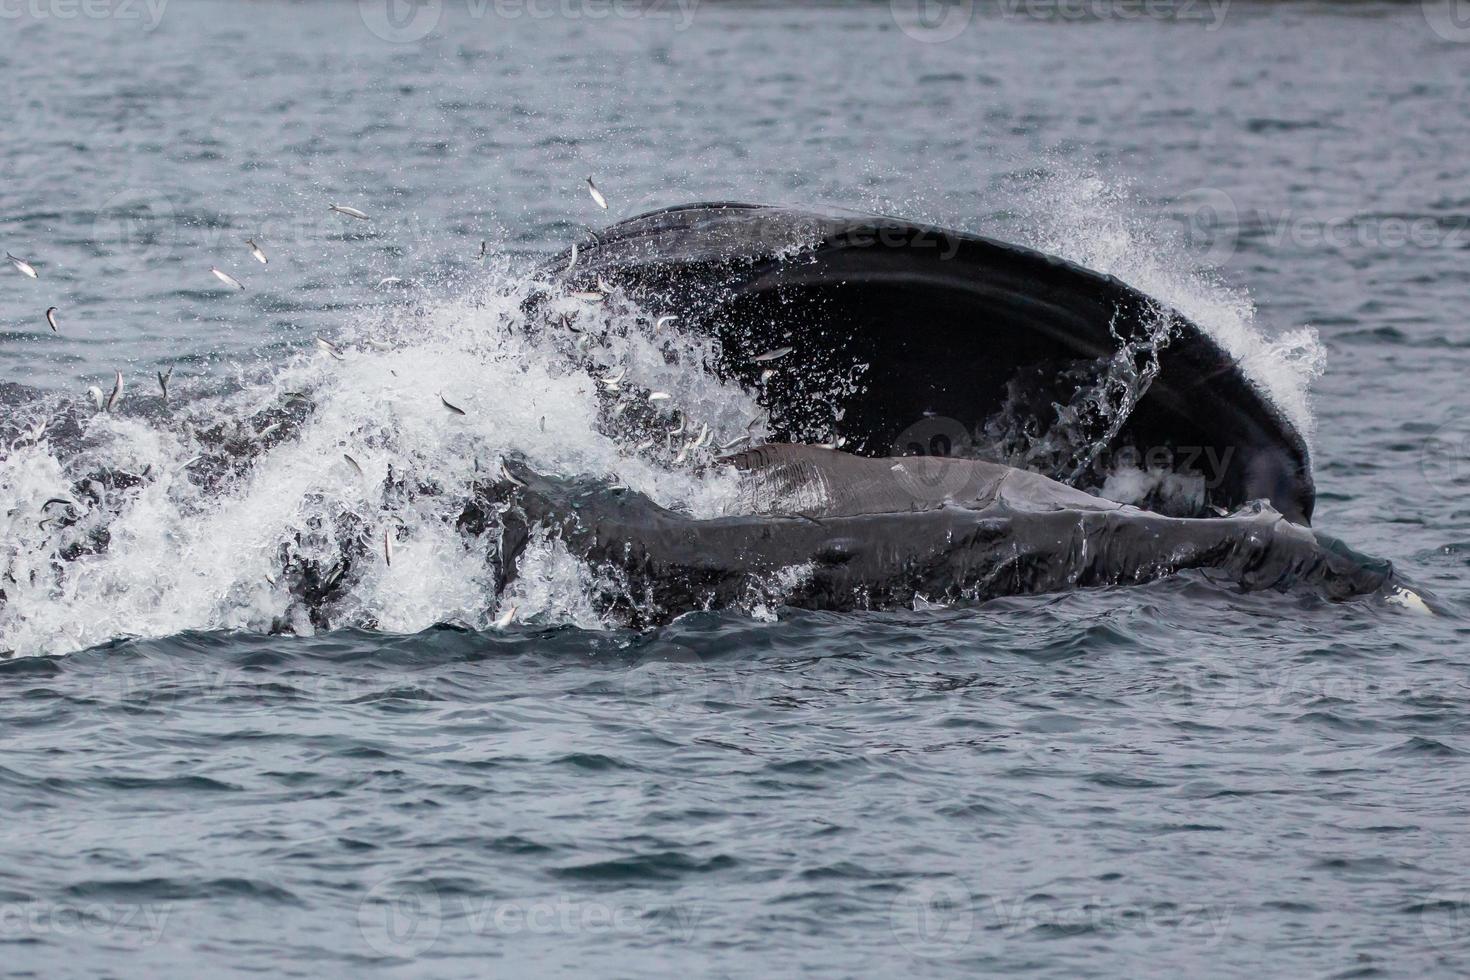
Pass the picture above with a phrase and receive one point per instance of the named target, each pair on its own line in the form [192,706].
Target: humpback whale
[980,384]
[944,410]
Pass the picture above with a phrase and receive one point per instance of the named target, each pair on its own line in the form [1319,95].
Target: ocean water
[1148,780]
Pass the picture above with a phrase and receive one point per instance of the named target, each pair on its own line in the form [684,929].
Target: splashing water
[193,518]
[1098,224]
[1075,432]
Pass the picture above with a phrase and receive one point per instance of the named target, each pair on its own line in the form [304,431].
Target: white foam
[1102,226]
[181,558]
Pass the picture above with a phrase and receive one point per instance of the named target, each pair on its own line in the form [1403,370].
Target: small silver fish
[506,619]
[596,194]
[117,391]
[163,379]
[726,447]
[387,547]
[329,347]
[574,258]
[227,279]
[267,430]
[379,345]
[659,396]
[772,355]
[388,280]
[350,212]
[51,319]
[483,247]
[663,321]
[767,375]
[543,423]
[645,444]
[96,394]
[355,464]
[256,251]
[21,264]
[505,475]
[453,409]
[612,380]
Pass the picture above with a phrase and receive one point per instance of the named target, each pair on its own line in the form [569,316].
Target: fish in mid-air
[25,267]
[329,347]
[227,279]
[596,194]
[117,391]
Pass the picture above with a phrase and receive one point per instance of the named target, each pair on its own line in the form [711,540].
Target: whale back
[909,339]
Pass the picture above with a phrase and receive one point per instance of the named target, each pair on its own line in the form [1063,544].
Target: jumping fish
[596,194]
[228,279]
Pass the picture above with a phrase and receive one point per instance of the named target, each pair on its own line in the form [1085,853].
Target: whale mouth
[345,486]
[913,339]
